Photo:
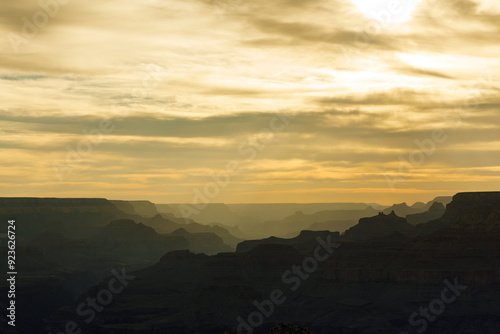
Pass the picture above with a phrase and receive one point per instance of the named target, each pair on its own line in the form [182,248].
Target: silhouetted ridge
[305,242]
[418,205]
[180,231]
[378,226]
[141,208]
[468,210]
[402,209]
[436,210]
[335,220]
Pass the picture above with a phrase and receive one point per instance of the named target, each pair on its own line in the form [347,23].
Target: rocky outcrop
[125,207]
[164,226]
[180,231]
[441,199]
[426,206]
[141,208]
[470,211]
[378,226]
[126,229]
[234,230]
[332,225]
[402,209]
[435,211]
[305,242]
[445,200]
[418,205]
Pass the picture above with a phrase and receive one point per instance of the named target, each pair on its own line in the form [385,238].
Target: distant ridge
[468,210]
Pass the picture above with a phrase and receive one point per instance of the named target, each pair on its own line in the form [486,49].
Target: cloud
[186,82]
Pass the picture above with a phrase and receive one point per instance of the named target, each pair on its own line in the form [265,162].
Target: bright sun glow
[387,11]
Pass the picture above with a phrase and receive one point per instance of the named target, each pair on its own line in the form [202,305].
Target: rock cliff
[378,226]
[436,211]
[470,211]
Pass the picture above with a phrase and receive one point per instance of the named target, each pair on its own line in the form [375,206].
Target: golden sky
[313,101]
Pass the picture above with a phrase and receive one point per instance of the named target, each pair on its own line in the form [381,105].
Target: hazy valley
[192,277]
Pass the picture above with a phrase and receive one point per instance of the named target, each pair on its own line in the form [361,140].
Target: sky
[242,101]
